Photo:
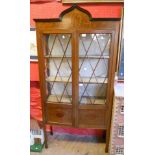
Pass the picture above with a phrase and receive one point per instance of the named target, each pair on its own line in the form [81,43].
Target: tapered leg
[107,141]
[106,149]
[104,136]
[45,135]
[51,130]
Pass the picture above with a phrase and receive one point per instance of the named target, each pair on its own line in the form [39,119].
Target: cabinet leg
[51,130]
[104,136]
[107,141]
[45,135]
[106,149]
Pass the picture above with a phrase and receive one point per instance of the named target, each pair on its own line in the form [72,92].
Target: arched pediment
[74,6]
[76,18]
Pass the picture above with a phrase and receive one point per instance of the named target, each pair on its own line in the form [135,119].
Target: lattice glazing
[94,52]
[59,68]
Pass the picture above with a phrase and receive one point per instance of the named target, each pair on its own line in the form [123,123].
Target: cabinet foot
[46,145]
[106,149]
[45,136]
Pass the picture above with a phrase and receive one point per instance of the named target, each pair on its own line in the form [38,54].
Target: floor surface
[66,144]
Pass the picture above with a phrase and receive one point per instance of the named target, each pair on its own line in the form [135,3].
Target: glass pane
[58,68]
[94,51]
[94,44]
[59,44]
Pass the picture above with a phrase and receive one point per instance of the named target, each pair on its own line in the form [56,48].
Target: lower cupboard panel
[88,117]
[92,118]
[59,115]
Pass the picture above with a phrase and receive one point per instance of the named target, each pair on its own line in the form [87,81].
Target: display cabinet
[77,57]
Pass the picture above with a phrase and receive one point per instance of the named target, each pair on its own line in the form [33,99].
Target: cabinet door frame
[110,76]
[40,40]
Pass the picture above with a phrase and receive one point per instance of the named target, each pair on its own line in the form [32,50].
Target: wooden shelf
[53,98]
[83,79]
[93,80]
[95,57]
[65,99]
[58,79]
[86,100]
[81,57]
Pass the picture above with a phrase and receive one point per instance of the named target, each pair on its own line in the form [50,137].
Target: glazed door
[58,75]
[77,78]
[94,56]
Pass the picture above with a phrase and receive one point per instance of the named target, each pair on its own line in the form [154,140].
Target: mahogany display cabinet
[77,58]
